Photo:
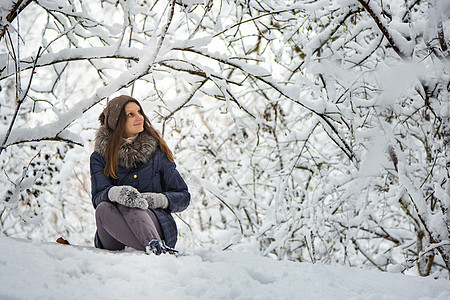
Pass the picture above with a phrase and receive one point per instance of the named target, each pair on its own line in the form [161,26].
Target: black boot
[167,249]
[154,247]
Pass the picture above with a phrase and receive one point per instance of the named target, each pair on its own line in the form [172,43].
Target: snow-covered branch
[310,130]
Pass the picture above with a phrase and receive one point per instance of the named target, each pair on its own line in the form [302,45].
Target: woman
[135,185]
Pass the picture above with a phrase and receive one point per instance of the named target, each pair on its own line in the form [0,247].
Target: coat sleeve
[100,184]
[174,186]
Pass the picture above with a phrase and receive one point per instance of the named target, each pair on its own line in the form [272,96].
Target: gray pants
[119,226]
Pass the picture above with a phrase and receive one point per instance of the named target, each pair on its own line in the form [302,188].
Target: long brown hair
[116,140]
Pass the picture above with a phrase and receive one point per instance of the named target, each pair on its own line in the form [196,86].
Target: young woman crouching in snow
[135,184]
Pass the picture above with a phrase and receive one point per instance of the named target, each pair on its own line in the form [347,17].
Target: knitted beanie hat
[111,113]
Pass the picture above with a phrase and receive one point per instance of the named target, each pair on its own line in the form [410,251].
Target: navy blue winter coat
[158,175]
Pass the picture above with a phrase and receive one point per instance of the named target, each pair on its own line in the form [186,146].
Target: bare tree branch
[19,103]
[15,10]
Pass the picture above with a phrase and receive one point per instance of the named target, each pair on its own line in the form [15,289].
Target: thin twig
[189,98]
[19,103]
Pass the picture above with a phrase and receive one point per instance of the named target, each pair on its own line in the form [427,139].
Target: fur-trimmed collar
[139,151]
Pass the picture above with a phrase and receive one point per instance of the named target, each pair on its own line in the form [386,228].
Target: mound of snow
[34,270]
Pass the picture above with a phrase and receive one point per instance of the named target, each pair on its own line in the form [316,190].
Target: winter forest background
[306,130]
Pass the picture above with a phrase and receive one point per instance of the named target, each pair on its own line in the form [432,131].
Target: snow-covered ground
[35,270]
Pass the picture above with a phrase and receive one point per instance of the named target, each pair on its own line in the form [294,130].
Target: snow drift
[35,270]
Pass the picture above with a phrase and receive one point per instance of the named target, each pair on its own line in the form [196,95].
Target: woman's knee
[103,209]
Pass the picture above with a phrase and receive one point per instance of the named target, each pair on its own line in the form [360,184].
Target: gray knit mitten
[156,200]
[128,196]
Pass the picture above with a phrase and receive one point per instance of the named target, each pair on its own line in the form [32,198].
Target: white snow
[35,270]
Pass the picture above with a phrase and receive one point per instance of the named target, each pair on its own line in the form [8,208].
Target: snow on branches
[307,130]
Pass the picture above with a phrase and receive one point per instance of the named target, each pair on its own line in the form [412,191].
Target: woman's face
[135,119]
